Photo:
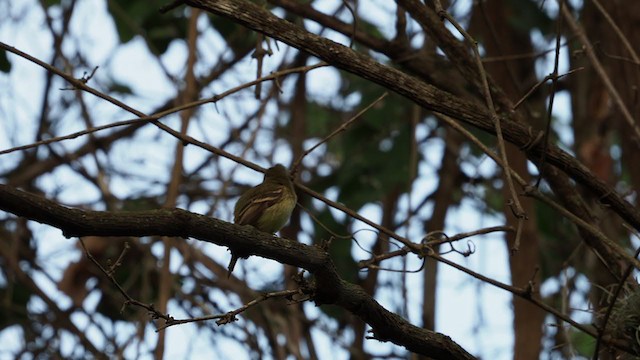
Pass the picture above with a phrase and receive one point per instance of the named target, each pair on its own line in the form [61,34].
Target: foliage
[163,118]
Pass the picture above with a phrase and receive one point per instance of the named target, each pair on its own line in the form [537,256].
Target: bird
[267,206]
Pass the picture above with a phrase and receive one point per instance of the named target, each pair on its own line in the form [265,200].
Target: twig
[552,96]
[430,244]
[212,149]
[621,252]
[607,315]
[541,82]
[465,235]
[172,5]
[531,55]
[85,77]
[115,265]
[616,29]
[518,209]
[606,80]
[325,227]
[231,315]
[537,194]
[141,116]
[129,300]
[355,23]
[483,147]
[523,293]
[259,54]
[76,134]
[343,127]
[414,248]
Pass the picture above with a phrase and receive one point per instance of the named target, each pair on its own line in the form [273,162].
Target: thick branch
[259,19]
[162,222]
[330,289]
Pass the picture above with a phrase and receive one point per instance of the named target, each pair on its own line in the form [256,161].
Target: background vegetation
[414,240]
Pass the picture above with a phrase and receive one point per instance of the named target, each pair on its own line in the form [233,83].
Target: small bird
[267,207]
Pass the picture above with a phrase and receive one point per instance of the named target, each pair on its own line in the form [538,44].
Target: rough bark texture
[330,288]
[426,95]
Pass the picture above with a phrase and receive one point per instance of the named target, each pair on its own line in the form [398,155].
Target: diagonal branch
[330,288]
[604,77]
[261,20]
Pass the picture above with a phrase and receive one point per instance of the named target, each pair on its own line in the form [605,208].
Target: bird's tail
[232,264]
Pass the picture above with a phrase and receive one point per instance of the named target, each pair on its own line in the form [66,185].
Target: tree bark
[329,287]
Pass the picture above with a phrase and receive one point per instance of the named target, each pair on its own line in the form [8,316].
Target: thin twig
[541,82]
[518,209]
[606,80]
[465,235]
[414,247]
[531,55]
[622,253]
[156,116]
[172,5]
[118,262]
[355,23]
[231,315]
[607,315]
[537,194]
[498,160]
[205,146]
[155,314]
[618,32]
[552,96]
[259,54]
[325,227]
[340,129]
[430,244]
[77,134]
[523,293]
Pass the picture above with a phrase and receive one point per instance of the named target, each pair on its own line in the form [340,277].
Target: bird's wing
[256,207]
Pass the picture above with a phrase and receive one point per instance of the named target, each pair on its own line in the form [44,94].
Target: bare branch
[330,288]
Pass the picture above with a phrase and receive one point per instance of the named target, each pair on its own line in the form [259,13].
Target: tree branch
[330,288]
[261,20]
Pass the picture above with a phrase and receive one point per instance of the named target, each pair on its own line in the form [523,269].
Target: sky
[466,307]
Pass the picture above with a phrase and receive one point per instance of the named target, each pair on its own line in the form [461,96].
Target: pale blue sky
[466,308]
